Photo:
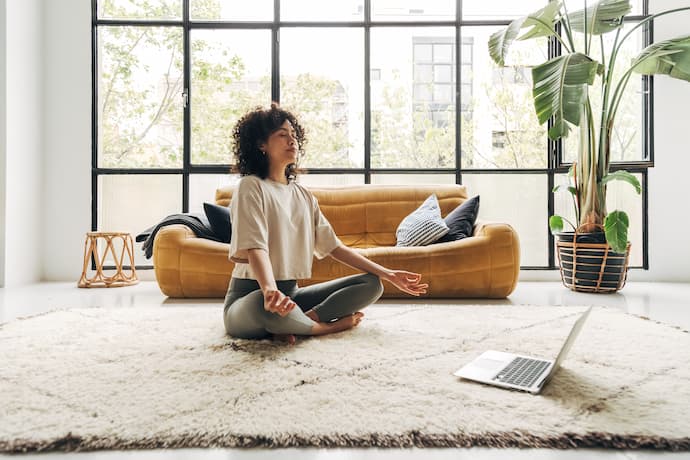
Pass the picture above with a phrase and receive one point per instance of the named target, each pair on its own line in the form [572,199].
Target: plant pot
[588,264]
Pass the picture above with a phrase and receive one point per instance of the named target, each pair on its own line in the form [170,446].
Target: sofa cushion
[219,219]
[460,220]
[423,226]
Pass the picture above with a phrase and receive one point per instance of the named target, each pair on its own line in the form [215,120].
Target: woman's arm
[405,281]
[274,300]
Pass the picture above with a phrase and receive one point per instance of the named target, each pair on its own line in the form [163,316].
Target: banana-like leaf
[616,228]
[500,41]
[603,16]
[668,57]
[624,176]
[559,88]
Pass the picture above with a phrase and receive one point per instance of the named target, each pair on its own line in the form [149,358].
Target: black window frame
[553,150]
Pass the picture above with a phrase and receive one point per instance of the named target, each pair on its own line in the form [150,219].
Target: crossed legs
[323,308]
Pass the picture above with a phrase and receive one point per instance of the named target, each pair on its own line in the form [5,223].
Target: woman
[277,227]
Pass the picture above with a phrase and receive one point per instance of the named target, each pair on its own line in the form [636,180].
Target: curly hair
[254,129]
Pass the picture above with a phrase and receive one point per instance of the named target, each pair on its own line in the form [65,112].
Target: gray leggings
[245,317]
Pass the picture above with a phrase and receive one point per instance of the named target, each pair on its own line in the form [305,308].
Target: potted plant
[561,93]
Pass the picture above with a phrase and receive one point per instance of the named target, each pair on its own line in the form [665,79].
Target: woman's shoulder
[304,191]
[249,182]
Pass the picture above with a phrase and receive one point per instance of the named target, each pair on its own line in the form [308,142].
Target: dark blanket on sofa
[198,223]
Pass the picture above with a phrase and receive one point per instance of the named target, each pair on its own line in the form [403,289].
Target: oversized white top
[285,220]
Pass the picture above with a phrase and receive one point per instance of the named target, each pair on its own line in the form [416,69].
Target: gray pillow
[423,226]
[219,220]
[461,220]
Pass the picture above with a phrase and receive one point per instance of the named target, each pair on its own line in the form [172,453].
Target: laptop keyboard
[522,372]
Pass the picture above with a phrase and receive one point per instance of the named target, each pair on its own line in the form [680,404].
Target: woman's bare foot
[343,324]
[288,338]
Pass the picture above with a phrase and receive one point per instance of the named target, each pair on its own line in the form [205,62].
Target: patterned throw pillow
[423,226]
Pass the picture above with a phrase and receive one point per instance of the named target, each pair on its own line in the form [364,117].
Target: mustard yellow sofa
[364,217]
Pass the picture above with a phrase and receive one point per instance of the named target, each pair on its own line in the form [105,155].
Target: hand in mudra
[277,302]
[407,282]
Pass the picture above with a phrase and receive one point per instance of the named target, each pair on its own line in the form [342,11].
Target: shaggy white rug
[169,377]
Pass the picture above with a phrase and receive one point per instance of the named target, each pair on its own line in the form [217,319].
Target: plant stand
[592,267]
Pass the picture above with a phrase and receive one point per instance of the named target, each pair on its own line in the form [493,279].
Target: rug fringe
[74,443]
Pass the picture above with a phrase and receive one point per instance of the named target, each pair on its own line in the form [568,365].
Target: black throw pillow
[461,220]
[219,218]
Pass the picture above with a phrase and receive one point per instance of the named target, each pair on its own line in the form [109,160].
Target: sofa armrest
[184,262]
[504,251]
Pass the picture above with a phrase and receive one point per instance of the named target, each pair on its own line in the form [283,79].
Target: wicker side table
[99,278]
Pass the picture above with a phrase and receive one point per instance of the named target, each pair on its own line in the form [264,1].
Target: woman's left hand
[407,282]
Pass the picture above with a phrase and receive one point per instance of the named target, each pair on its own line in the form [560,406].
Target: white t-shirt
[285,220]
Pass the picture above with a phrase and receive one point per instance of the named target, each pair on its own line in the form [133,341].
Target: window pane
[326,91]
[574,5]
[140,100]
[133,203]
[231,74]
[413,10]
[139,9]
[318,10]
[412,120]
[412,179]
[501,101]
[475,10]
[619,196]
[327,180]
[202,188]
[627,138]
[423,73]
[519,200]
[221,10]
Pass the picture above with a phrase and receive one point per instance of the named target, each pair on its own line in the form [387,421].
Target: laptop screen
[574,332]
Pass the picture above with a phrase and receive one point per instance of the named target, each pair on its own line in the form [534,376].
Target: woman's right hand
[277,302]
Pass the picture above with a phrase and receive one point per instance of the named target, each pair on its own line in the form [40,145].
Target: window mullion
[187,128]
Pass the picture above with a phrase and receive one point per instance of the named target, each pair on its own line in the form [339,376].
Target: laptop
[518,372]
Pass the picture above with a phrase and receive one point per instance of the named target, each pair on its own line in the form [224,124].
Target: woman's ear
[262,146]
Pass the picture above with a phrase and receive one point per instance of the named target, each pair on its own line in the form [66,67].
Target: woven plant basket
[591,267]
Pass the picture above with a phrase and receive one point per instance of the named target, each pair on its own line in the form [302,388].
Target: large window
[392,92]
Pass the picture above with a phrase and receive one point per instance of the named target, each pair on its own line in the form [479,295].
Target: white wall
[3,139]
[669,255]
[23,142]
[67,157]
[67,133]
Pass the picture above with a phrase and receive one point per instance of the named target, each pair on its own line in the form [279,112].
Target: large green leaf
[603,16]
[559,89]
[624,176]
[668,57]
[542,22]
[616,227]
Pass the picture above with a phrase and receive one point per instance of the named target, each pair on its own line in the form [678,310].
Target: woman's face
[281,146]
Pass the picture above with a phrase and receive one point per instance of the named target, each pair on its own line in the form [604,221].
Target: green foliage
[556,224]
[561,89]
[623,176]
[616,228]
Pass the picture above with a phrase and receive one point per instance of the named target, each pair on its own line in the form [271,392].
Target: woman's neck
[278,175]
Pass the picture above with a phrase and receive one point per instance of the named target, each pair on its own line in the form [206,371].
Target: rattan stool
[99,279]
